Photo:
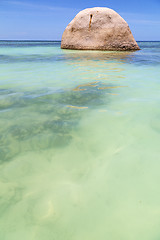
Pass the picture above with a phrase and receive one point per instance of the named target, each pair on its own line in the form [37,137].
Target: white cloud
[141,18]
[32,5]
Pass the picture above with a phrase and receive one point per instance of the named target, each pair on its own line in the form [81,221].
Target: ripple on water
[79,150]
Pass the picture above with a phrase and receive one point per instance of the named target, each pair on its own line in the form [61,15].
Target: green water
[79,143]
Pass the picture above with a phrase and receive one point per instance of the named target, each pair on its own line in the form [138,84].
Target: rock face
[98,29]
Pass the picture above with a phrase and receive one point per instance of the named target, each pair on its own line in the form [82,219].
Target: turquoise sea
[79,143]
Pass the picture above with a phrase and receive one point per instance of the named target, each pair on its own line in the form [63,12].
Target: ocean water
[79,143]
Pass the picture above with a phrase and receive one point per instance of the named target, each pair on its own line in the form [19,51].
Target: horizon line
[39,40]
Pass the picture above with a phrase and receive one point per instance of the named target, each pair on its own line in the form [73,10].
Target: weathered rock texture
[98,29]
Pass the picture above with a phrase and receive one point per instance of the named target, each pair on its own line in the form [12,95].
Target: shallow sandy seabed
[79,146]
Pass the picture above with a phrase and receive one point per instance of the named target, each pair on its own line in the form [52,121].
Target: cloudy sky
[47,19]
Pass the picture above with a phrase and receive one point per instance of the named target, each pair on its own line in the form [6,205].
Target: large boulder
[98,29]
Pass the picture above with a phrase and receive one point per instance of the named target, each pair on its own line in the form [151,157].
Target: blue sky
[47,19]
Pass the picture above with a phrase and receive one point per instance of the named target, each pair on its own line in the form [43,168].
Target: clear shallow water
[79,143]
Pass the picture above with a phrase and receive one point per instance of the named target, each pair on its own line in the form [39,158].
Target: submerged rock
[98,29]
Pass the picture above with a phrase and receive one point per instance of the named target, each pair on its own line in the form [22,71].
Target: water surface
[79,143]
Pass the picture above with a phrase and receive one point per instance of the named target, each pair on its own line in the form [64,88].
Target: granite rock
[98,29]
